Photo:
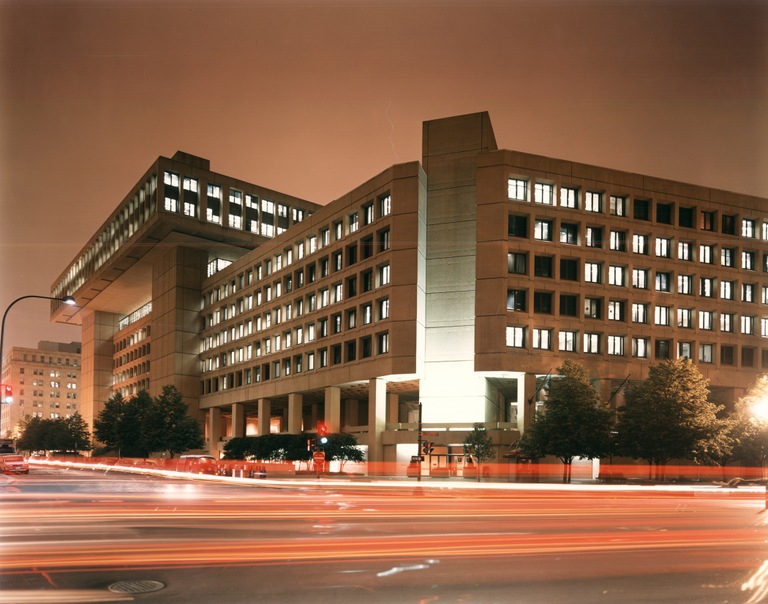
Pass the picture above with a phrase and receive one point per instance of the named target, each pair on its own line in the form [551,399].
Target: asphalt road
[87,536]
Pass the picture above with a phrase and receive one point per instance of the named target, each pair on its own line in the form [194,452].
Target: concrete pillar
[214,430]
[332,417]
[351,412]
[377,418]
[238,420]
[393,408]
[98,329]
[295,402]
[265,415]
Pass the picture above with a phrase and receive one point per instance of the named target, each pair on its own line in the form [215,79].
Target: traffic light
[427,448]
[322,432]
[7,394]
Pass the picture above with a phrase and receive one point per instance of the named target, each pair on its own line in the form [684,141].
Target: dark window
[664,213]
[516,263]
[569,305]
[569,269]
[542,266]
[518,226]
[747,357]
[729,224]
[366,347]
[351,254]
[642,209]
[726,355]
[351,350]
[662,349]
[708,221]
[686,217]
[569,233]
[351,287]
[764,359]
[367,280]
[311,273]
[336,354]
[542,302]
[366,245]
[516,299]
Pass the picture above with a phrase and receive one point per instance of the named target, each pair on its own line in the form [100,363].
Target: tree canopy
[479,445]
[668,416]
[142,425]
[749,428]
[573,423]
[54,434]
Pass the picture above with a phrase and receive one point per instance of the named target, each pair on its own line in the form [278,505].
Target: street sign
[318,457]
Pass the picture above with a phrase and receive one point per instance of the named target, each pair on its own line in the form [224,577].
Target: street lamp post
[66,300]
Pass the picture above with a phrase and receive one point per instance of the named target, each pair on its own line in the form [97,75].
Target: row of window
[620,241]
[617,345]
[332,324]
[349,351]
[545,193]
[638,312]
[362,249]
[638,278]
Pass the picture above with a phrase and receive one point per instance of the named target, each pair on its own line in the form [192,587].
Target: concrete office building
[459,282]
[45,383]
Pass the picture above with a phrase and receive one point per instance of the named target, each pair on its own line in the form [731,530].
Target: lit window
[663,282]
[748,228]
[640,347]
[706,353]
[707,287]
[685,284]
[517,189]
[706,319]
[543,230]
[662,315]
[747,325]
[616,345]
[616,275]
[515,337]
[542,339]
[569,197]
[591,343]
[640,244]
[569,233]
[727,289]
[639,313]
[706,254]
[685,317]
[748,261]
[747,292]
[592,272]
[663,247]
[726,322]
[385,205]
[616,310]
[684,250]
[618,241]
[516,263]
[353,222]
[639,278]
[567,341]
[618,205]
[593,202]
[544,193]
[727,256]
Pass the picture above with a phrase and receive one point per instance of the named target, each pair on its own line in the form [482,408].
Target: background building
[459,283]
[45,382]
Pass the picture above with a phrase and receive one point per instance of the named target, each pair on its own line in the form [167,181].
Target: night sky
[313,97]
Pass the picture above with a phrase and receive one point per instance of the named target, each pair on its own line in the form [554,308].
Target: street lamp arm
[66,300]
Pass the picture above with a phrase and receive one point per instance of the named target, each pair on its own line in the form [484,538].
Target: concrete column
[351,412]
[295,402]
[214,430]
[332,417]
[98,329]
[393,408]
[377,418]
[238,420]
[265,415]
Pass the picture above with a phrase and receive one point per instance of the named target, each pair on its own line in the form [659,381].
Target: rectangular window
[726,322]
[618,241]
[616,310]
[662,349]
[542,339]
[747,325]
[663,282]
[640,244]
[748,261]
[616,275]
[729,224]
[662,315]
[618,205]
[592,272]
[707,287]
[385,205]
[543,266]
[684,250]
[708,221]
[639,313]
[516,337]
[747,292]
[544,193]
[640,347]
[517,263]
[569,197]
[706,320]
[707,254]
[591,343]
[569,233]
[542,303]
[664,213]
[642,209]
[593,308]
[764,327]
[516,300]
[684,350]
[616,345]
[368,214]
[567,341]
[593,202]
[569,269]
[594,237]
[639,278]
[727,289]
[353,223]
[517,189]
[518,226]
[686,217]
[663,247]
[706,353]
[685,284]
[727,256]
[569,305]
[542,230]
[685,317]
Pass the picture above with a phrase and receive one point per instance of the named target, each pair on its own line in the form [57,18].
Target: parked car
[197,464]
[13,464]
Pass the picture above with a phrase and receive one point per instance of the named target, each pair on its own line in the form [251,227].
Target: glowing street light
[66,300]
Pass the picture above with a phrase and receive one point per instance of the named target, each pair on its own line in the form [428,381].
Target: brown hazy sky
[313,97]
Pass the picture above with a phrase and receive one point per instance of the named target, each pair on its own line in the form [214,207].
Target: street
[71,535]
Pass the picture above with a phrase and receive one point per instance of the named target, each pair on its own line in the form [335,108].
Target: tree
[54,434]
[78,437]
[343,448]
[171,428]
[668,416]
[749,431]
[121,425]
[32,437]
[573,423]
[479,446]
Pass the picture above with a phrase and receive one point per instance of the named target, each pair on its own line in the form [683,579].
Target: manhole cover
[136,587]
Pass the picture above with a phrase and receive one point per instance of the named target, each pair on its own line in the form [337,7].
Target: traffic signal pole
[418,451]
